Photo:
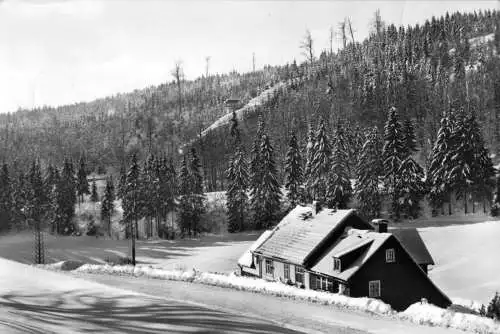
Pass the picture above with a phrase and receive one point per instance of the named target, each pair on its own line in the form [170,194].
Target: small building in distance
[339,252]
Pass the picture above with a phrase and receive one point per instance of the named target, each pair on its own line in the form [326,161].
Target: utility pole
[134,224]
[253,61]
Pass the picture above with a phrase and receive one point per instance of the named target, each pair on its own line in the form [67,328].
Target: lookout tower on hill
[231,104]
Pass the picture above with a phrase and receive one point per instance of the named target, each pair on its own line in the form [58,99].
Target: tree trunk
[465,202]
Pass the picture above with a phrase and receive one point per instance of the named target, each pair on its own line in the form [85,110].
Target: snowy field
[466,256]
[466,263]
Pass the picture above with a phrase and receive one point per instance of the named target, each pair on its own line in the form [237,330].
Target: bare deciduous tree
[307,45]
[178,75]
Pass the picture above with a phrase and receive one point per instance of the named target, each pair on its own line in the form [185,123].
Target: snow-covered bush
[422,313]
[244,284]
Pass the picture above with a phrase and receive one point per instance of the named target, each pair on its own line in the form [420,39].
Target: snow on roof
[246,259]
[298,234]
[371,240]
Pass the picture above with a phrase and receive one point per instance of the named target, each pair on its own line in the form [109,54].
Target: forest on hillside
[448,62]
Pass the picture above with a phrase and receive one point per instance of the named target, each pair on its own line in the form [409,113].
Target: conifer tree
[65,199]
[36,198]
[237,175]
[339,189]
[185,210]
[256,172]
[439,167]
[495,207]
[293,172]
[309,161]
[131,200]
[108,206]
[82,187]
[5,198]
[320,164]
[369,170]
[94,196]
[197,195]
[392,154]
[410,141]
[410,187]
[19,194]
[472,169]
[269,189]
[122,182]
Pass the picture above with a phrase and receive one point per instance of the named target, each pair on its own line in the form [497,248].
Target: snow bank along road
[312,317]
[33,300]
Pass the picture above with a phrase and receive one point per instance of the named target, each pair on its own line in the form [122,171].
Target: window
[374,289]
[299,275]
[390,255]
[269,267]
[336,264]
[286,270]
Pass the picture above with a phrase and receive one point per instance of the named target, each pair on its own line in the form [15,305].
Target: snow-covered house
[337,251]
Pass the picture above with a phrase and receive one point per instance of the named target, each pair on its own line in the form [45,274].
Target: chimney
[316,207]
[381,225]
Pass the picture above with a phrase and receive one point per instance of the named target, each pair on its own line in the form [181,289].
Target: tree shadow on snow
[86,313]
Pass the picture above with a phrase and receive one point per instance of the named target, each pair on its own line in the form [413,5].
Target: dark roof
[296,236]
[232,100]
[410,239]
[357,239]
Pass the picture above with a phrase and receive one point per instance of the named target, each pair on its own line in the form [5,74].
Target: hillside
[423,70]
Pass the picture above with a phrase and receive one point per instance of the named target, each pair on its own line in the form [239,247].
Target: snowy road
[313,317]
[33,300]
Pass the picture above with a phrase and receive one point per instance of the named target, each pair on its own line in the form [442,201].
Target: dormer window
[336,264]
[390,255]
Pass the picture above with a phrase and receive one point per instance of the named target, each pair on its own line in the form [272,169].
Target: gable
[402,282]
[414,245]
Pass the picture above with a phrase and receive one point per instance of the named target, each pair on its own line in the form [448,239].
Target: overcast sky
[58,52]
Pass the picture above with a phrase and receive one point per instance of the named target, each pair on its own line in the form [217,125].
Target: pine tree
[410,187]
[185,210]
[392,154]
[339,189]
[237,175]
[108,206]
[5,199]
[82,187]
[293,172]
[472,169]
[65,200]
[131,198]
[197,194]
[19,195]
[369,171]
[410,141]
[493,310]
[320,164]
[439,167]
[94,196]
[36,198]
[256,173]
[495,207]
[122,182]
[309,180]
[269,189]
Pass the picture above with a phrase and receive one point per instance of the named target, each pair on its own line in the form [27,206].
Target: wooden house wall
[402,282]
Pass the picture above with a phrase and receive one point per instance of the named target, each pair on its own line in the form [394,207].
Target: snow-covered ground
[466,265]
[33,300]
[417,313]
[466,257]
